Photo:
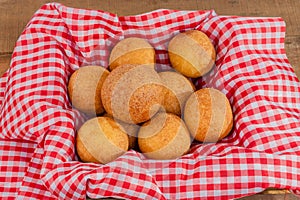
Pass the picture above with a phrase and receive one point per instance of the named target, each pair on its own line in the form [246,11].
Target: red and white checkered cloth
[38,124]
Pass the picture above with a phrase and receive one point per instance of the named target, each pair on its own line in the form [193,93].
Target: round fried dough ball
[192,53]
[84,89]
[131,50]
[208,115]
[164,137]
[101,140]
[132,93]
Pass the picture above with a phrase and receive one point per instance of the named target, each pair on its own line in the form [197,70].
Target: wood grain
[292,48]
[15,14]
[4,63]
[271,197]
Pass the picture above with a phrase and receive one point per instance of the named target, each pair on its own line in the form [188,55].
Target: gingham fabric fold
[38,124]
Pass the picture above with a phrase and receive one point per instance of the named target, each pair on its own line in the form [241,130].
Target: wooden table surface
[14,15]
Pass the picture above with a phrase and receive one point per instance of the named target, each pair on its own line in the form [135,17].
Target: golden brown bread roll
[178,89]
[132,93]
[130,129]
[131,50]
[192,53]
[208,115]
[101,140]
[84,89]
[164,137]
